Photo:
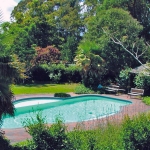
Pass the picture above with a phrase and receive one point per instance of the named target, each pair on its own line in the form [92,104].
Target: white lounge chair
[136,92]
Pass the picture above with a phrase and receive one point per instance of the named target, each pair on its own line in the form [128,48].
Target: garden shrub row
[131,134]
[81,89]
[56,73]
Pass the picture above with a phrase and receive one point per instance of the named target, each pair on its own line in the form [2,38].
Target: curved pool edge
[101,95]
[137,106]
[22,99]
[72,97]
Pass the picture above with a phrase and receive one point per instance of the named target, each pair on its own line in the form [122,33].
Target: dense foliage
[5,143]
[143,82]
[131,134]
[81,89]
[63,24]
[10,71]
[46,55]
[101,37]
[80,31]
[119,23]
[136,132]
[56,73]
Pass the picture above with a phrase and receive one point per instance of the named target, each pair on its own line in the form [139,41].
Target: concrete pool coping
[137,106]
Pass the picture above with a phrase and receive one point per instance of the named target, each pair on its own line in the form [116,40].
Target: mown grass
[43,88]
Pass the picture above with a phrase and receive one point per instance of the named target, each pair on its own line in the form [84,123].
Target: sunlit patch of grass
[43,88]
[146,100]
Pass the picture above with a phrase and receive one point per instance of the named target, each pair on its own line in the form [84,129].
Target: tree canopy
[67,24]
[120,24]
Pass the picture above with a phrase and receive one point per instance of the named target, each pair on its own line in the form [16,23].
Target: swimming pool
[72,109]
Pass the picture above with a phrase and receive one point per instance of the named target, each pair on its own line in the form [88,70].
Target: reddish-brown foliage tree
[49,54]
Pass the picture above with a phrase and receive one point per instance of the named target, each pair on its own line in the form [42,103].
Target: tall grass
[105,137]
[131,134]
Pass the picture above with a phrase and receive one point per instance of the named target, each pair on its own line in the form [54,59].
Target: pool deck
[137,106]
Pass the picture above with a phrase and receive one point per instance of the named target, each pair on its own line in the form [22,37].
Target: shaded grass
[43,88]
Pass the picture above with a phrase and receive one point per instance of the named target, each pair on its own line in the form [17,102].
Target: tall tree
[38,13]
[54,22]
[10,68]
[70,25]
[121,24]
[139,9]
[92,65]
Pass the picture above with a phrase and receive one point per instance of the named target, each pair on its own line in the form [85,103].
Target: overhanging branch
[134,54]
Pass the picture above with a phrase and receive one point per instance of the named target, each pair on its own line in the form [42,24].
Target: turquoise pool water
[73,109]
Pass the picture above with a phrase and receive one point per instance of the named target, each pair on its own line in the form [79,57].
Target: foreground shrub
[143,81]
[4,143]
[136,132]
[106,137]
[132,134]
[61,73]
[124,77]
[24,145]
[38,74]
[46,137]
[62,95]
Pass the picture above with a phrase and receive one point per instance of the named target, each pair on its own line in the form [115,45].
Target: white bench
[136,92]
[113,88]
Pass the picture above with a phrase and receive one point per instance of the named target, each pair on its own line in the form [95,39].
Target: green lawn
[43,88]
[146,100]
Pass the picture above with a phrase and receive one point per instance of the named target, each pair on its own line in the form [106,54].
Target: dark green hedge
[56,73]
[62,95]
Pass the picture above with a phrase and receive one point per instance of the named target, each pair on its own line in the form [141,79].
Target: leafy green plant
[124,77]
[47,137]
[55,77]
[136,132]
[78,139]
[131,134]
[81,89]
[91,62]
[143,81]
[139,81]
[61,73]
[103,137]
[24,145]
[72,72]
